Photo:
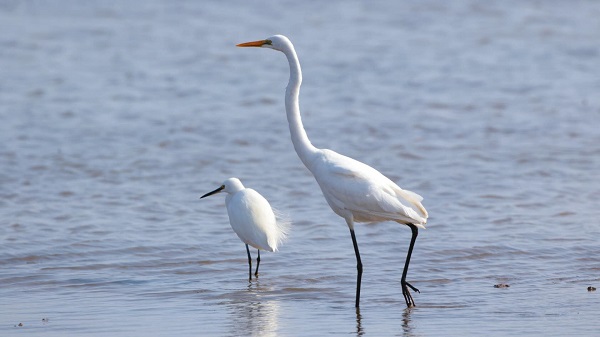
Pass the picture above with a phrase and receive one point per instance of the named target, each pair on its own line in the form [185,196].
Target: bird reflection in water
[359,328]
[407,329]
[252,316]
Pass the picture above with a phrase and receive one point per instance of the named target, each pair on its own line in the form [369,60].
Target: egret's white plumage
[252,218]
[356,190]
[353,190]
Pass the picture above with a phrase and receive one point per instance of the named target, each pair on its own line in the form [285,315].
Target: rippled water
[116,117]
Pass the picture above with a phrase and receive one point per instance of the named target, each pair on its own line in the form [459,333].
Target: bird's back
[253,220]
[350,186]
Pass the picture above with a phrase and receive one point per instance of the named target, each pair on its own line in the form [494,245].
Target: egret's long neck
[302,144]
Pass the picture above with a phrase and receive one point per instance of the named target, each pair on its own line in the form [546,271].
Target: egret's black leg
[249,264]
[257,263]
[358,267]
[407,296]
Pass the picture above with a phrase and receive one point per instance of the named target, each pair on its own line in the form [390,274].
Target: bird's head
[230,185]
[277,42]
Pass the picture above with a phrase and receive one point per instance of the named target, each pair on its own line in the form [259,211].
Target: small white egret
[252,219]
[353,190]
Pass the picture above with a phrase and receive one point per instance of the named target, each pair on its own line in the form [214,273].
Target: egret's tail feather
[284,225]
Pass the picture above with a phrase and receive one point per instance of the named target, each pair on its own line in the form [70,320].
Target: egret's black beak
[213,192]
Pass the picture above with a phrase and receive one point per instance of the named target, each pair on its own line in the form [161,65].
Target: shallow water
[117,116]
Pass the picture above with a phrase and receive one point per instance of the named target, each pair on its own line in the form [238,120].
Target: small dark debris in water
[501,285]
[66,193]
[20,324]
[591,288]
[45,320]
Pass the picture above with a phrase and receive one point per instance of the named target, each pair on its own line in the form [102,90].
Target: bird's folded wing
[252,218]
[365,190]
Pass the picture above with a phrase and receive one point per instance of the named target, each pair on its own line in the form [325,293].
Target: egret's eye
[269,42]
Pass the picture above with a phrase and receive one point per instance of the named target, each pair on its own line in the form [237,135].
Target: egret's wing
[413,198]
[252,218]
[357,187]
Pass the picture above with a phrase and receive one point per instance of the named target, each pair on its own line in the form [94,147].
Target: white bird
[353,190]
[252,219]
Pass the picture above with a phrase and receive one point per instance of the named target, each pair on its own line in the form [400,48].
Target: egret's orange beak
[258,43]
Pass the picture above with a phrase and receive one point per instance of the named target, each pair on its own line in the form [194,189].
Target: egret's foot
[413,288]
[407,296]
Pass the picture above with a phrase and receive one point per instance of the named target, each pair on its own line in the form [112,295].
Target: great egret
[252,219]
[353,190]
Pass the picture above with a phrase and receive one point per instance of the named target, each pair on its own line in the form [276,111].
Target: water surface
[117,116]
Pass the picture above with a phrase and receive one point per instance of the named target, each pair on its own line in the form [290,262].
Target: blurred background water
[116,116]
